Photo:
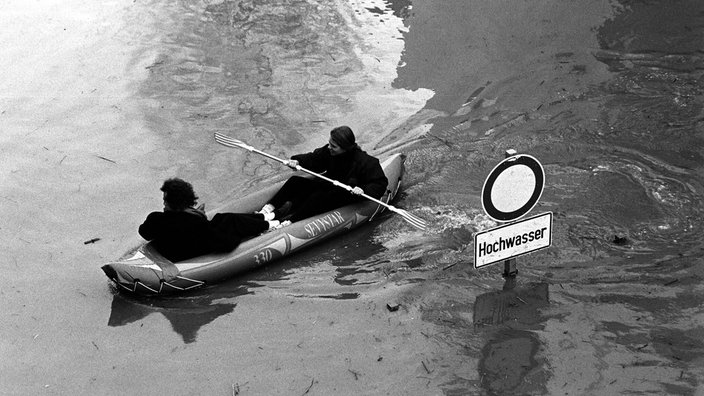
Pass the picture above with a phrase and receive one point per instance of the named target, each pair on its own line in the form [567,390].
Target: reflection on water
[187,314]
[315,273]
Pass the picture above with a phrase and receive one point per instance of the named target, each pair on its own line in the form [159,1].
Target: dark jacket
[178,235]
[182,235]
[354,168]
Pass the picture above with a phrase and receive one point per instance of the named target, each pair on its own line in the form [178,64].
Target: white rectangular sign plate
[511,240]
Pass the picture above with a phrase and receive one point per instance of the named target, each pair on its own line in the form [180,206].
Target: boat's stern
[141,274]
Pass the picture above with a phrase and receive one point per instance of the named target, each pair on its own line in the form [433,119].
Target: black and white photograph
[352,197]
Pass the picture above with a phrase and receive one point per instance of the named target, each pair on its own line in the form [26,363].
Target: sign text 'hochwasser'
[505,242]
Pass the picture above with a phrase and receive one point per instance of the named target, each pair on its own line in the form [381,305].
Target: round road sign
[513,188]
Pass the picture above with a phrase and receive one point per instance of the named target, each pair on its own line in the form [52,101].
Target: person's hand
[357,191]
[292,164]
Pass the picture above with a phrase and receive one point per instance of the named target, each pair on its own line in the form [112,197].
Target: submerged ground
[107,99]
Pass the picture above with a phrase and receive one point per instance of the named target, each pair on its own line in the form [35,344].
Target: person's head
[341,140]
[178,194]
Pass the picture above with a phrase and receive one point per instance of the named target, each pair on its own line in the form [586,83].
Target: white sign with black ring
[513,188]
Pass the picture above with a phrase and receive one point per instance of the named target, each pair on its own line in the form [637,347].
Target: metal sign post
[510,269]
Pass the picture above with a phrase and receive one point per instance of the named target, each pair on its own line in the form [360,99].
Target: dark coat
[354,168]
[182,235]
[178,235]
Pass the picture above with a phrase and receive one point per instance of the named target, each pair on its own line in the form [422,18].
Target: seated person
[341,160]
[182,231]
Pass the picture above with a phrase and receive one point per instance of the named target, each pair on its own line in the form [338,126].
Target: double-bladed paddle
[231,142]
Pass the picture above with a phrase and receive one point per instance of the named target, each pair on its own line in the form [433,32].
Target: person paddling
[341,160]
[183,231]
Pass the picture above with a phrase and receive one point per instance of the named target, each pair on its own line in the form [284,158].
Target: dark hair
[344,137]
[179,194]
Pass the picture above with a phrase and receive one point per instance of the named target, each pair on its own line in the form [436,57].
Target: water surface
[108,99]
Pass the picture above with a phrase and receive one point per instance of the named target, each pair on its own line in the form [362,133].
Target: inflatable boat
[145,271]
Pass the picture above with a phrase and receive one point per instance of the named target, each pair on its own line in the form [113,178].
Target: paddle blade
[230,142]
[415,221]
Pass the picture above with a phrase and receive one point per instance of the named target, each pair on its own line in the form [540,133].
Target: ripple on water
[621,201]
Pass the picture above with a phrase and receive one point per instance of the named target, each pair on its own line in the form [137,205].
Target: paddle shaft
[413,220]
[318,175]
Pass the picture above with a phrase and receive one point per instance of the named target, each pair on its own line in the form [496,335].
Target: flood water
[107,99]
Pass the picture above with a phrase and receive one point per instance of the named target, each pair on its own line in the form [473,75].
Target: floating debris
[619,240]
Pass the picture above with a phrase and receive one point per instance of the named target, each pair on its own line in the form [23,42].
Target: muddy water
[608,95]
[615,117]
[616,120]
